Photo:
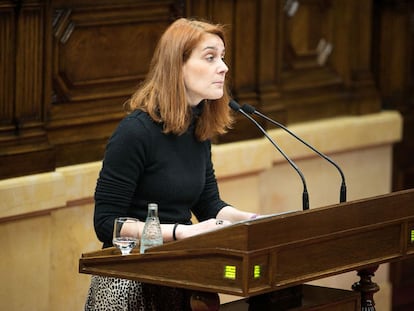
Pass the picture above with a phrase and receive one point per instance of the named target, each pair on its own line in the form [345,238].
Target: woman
[161,152]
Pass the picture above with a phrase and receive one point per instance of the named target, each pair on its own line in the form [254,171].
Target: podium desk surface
[269,253]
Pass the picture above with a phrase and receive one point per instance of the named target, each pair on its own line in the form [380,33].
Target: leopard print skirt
[114,294]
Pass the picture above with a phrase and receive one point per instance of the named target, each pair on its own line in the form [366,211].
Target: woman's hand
[234,214]
[185,231]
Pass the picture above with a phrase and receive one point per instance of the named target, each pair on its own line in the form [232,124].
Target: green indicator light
[230,272]
[256,271]
[412,236]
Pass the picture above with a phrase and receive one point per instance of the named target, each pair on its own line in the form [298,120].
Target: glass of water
[123,238]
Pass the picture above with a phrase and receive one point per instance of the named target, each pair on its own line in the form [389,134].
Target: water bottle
[151,234]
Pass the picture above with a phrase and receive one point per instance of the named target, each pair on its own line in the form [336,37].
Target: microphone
[305,196]
[251,110]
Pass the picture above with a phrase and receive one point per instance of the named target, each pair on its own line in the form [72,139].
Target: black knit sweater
[143,165]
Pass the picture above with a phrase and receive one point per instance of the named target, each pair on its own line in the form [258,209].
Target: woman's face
[205,70]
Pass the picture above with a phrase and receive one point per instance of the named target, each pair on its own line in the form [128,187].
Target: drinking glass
[122,238]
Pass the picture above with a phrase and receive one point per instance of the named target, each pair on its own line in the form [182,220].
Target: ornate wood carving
[296,60]
[7,43]
[71,65]
[367,288]
[326,60]
[100,54]
[22,133]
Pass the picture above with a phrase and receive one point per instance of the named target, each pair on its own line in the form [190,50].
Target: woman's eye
[212,57]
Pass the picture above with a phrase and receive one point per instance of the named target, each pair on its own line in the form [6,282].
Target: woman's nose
[223,67]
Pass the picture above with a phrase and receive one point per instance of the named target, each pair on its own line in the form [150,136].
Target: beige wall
[46,219]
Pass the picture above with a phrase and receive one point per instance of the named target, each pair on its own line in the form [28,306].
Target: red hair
[162,94]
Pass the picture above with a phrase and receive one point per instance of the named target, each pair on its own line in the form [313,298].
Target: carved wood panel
[100,54]
[22,70]
[322,75]
[296,60]
[7,43]
[103,56]
[73,64]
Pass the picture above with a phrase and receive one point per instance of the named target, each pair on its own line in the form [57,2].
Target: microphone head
[234,105]
[248,108]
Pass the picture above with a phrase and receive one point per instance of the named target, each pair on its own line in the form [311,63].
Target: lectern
[263,256]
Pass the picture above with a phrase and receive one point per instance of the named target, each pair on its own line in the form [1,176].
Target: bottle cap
[153,206]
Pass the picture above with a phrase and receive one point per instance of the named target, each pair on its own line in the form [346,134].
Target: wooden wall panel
[7,52]
[394,70]
[100,54]
[393,61]
[24,144]
[29,65]
[296,63]
[103,56]
[75,62]
[326,71]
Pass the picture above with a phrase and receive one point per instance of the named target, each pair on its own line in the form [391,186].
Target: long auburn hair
[162,94]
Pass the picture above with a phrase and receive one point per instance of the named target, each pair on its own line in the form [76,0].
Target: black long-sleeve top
[143,165]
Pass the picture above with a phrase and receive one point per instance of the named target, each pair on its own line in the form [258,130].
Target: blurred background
[338,72]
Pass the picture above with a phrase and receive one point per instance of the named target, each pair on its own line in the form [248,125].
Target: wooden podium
[263,256]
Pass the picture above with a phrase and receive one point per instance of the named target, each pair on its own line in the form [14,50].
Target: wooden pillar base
[203,301]
[366,288]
